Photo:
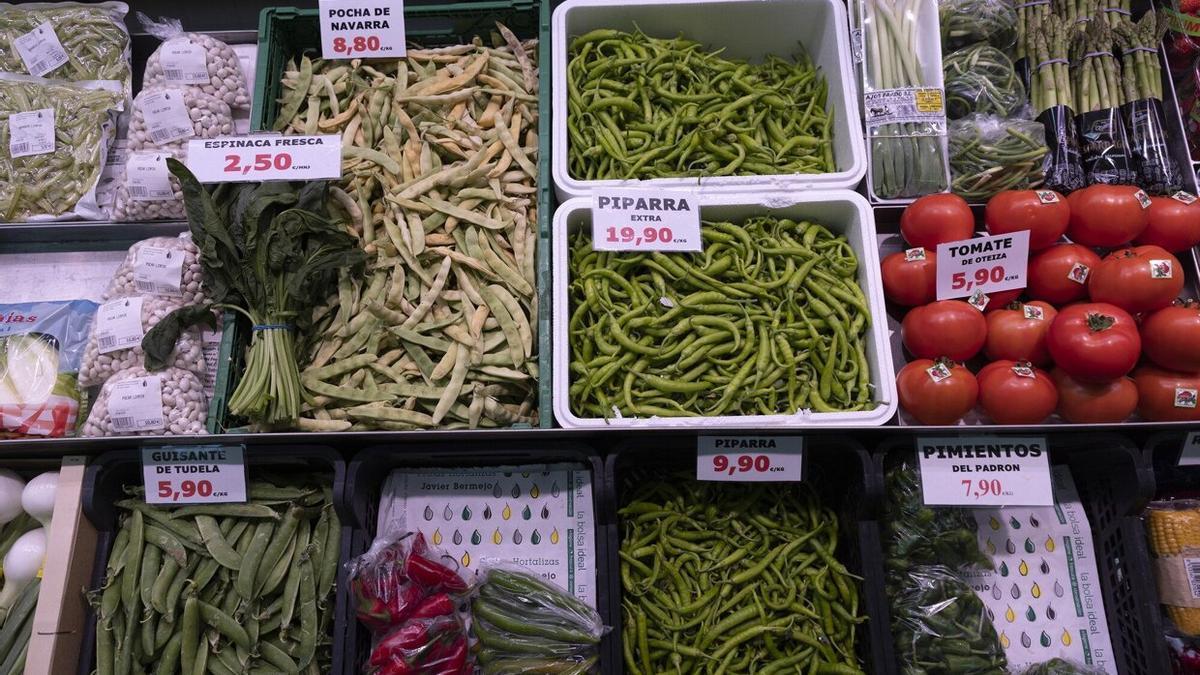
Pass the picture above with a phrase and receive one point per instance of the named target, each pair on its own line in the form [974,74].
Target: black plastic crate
[846,480]
[359,495]
[1113,485]
[103,486]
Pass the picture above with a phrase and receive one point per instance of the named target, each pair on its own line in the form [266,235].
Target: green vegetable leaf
[159,342]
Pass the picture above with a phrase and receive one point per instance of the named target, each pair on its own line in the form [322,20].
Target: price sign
[353,29]
[986,264]
[985,471]
[749,458]
[637,219]
[237,159]
[211,474]
[1190,455]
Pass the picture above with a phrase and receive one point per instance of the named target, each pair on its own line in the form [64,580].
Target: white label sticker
[749,459]
[136,404]
[1192,566]
[988,264]
[40,50]
[638,219]
[1190,455]
[31,133]
[1161,269]
[1185,397]
[183,62]
[896,106]
[979,300]
[1047,196]
[1079,273]
[147,178]
[210,342]
[265,157]
[985,471]
[856,44]
[1034,312]
[352,29]
[166,116]
[158,270]
[1143,198]
[914,254]
[938,372]
[119,324]
[204,474]
[1185,197]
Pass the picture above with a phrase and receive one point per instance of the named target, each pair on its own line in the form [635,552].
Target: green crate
[231,359]
[285,33]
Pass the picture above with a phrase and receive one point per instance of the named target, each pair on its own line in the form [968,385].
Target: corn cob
[1173,532]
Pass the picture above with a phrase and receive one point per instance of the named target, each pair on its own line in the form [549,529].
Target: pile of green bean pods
[990,154]
[768,320]
[981,79]
[53,183]
[731,578]
[222,588]
[643,107]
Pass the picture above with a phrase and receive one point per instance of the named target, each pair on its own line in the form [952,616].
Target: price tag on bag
[183,62]
[203,474]
[352,29]
[136,404]
[166,116]
[148,180]
[638,219]
[749,458]
[119,324]
[31,133]
[264,157]
[985,471]
[158,270]
[40,50]
[987,264]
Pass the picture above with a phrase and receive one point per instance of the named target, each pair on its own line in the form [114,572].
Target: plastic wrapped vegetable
[525,625]
[1174,531]
[980,79]
[990,154]
[915,534]
[168,266]
[168,118]
[940,627]
[69,41]
[1047,39]
[40,347]
[136,402]
[131,318]
[1099,95]
[146,190]
[194,60]
[423,645]
[1141,78]
[964,22]
[53,139]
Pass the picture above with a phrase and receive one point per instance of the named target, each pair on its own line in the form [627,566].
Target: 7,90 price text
[984,488]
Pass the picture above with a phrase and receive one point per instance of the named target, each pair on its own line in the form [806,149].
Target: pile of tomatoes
[1098,333]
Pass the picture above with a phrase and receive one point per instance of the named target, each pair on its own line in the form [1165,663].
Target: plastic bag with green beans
[916,534]
[964,22]
[990,154]
[61,183]
[981,79]
[66,41]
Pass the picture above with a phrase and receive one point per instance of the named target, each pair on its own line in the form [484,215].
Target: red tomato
[1106,215]
[1172,225]
[1171,338]
[1094,342]
[1140,279]
[949,328]
[1016,393]
[1020,334]
[1094,403]
[1014,210]
[1059,274]
[937,219]
[1002,299]
[1167,396]
[910,282]
[940,400]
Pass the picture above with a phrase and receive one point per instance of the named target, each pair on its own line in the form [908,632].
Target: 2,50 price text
[262,162]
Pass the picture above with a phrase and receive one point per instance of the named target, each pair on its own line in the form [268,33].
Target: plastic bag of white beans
[194,60]
[135,402]
[146,190]
[115,344]
[166,118]
[166,266]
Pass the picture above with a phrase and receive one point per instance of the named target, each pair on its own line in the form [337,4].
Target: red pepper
[449,658]
[385,606]
[395,644]
[433,575]
[438,604]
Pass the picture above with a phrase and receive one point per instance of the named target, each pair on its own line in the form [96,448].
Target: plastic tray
[287,32]
[359,497]
[842,473]
[890,241]
[109,473]
[842,211]
[1114,485]
[746,29]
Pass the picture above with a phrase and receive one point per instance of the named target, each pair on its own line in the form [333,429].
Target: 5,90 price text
[187,489]
[983,275]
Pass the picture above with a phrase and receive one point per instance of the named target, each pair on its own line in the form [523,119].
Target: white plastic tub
[841,211]
[746,29]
